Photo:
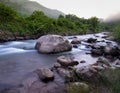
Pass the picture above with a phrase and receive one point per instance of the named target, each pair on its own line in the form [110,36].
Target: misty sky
[84,8]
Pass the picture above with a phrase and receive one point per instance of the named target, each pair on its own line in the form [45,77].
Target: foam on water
[4,51]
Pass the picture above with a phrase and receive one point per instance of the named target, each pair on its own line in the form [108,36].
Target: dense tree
[93,23]
[38,23]
[7,13]
[61,16]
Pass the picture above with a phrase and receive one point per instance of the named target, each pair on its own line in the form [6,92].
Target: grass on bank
[77,89]
[109,83]
[111,78]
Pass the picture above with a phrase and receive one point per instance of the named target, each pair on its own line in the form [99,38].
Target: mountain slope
[26,7]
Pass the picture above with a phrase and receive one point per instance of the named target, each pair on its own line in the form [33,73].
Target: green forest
[14,25]
[39,24]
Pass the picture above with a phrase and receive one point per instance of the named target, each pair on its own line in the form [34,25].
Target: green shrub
[7,13]
[39,24]
[111,78]
[77,89]
[117,32]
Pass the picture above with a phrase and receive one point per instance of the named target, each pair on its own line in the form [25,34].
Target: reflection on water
[18,58]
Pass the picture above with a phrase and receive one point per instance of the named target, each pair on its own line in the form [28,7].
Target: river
[19,58]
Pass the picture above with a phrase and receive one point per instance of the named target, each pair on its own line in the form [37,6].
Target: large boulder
[52,44]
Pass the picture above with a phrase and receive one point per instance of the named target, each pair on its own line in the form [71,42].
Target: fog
[113,18]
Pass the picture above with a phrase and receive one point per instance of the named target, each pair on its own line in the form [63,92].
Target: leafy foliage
[27,7]
[117,32]
[38,23]
[6,13]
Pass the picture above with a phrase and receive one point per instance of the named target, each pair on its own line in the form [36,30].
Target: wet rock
[116,63]
[118,47]
[117,66]
[91,40]
[75,46]
[82,61]
[52,44]
[45,74]
[67,74]
[67,61]
[63,72]
[88,73]
[39,87]
[103,60]
[108,50]
[98,67]
[108,42]
[106,33]
[96,35]
[104,36]
[52,88]
[57,65]
[34,85]
[75,41]
[110,38]
[73,37]
[110,57]
[97,52]
[95,46]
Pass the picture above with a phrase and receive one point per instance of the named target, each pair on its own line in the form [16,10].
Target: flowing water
[19,58]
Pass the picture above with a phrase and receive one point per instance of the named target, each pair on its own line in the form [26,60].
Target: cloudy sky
[84,8]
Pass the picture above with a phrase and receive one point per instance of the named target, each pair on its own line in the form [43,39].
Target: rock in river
[108,50]
[52,44]
[97,52]
[75,41]
[103,60]
[45,74]
[91,40]
[66,61]
[88,73]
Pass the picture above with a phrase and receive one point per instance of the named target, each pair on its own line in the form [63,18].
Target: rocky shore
[56,78]
[65,71]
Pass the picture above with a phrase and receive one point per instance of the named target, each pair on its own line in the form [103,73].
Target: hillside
[26,7]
